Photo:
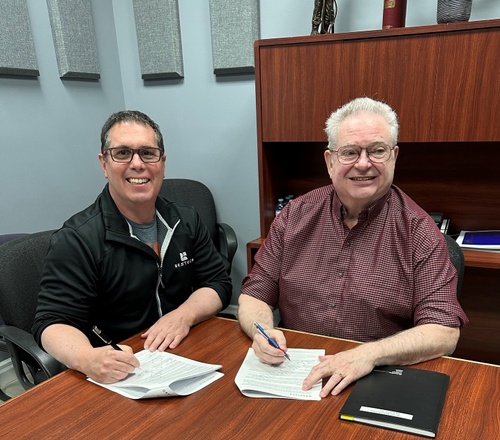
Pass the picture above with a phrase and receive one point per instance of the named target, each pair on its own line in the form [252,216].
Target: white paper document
[284,381]
[163,374]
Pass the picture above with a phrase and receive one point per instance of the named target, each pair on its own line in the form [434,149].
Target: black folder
[400,398]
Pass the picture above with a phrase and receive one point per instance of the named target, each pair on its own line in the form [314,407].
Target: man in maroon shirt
[357,259]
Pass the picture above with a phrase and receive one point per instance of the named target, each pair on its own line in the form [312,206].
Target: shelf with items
[291,168]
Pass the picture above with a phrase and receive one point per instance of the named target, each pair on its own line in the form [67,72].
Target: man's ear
[328,160]
[104,164]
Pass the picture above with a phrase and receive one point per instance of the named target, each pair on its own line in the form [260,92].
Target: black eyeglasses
[376,153]
[125,154]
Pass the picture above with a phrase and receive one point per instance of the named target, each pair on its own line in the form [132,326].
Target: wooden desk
[67,406]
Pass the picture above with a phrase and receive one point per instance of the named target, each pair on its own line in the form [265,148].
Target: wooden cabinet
[444,83]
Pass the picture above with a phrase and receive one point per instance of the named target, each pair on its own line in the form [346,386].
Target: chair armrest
[19,343]
[228,243]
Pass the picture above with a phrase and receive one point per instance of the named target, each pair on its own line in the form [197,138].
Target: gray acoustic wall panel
[74,38]
[235,26]
[159,38]
[17,49]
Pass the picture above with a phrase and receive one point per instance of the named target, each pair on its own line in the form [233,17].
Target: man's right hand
[107,365]
[266,353]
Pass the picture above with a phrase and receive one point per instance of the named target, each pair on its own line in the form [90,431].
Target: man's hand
[107,365]
[266,353]
[343,368]
[167,332]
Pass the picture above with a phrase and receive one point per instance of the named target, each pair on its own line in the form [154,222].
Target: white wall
[49,128]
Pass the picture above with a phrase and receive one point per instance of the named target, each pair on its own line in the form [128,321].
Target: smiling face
[133,186]
[361,184]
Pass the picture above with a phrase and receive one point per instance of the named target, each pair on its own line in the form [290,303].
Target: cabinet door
[467,98]
[399,71]
[299,88]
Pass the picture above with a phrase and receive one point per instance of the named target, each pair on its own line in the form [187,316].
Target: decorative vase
[450,11]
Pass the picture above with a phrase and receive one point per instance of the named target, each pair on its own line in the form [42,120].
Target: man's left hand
[167,332]
[343,368]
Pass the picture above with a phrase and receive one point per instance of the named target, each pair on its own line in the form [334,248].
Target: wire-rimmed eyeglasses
[125,154]
[376,153]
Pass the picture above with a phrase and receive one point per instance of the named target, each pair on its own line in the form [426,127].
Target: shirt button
[341,274]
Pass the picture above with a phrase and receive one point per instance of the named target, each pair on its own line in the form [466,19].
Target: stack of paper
[284,381]
[163,374]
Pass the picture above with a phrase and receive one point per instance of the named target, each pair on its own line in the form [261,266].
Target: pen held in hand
[269,339]
[104,338]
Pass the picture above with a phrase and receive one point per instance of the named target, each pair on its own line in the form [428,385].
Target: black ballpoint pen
[269,339]
[104,338]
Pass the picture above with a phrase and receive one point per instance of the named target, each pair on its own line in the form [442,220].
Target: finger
[117,375]
[265,347]
[334,385]
[177,340]
[268,350]
[163,343]
[146,333]
[317,373]
[279,337]
[310,380]
[150,344]
[126,348]
[154,340]
[268,354]
[132,362]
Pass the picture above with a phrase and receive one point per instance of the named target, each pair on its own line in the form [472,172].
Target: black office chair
[196,194]
[457,258]
[21,264]
[4,238]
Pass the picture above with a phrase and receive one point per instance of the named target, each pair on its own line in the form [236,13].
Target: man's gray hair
[359,105]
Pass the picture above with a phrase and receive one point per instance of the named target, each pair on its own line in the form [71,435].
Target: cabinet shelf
[484,259]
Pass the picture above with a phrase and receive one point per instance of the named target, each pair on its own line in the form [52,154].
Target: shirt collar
[367,214]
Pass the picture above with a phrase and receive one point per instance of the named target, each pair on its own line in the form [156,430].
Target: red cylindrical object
[394,14]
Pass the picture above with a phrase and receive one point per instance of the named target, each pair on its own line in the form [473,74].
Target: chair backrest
[196,194]
[457,258]
[4,238]
[21,264]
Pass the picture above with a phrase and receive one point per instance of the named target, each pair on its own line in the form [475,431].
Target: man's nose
[363,160]
[136,161]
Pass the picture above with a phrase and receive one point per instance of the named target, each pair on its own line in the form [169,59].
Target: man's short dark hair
[129,116]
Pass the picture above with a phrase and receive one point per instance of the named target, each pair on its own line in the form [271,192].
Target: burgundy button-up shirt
[389,273]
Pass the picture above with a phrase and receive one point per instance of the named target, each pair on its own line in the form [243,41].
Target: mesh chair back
[192,193]
[457,258]
[21,264]
[4,238]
